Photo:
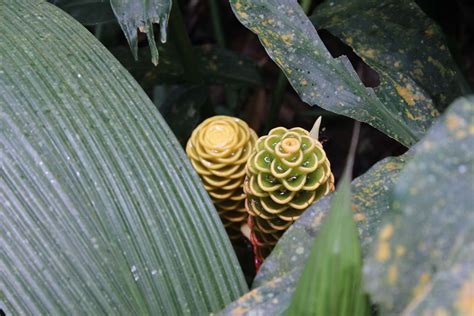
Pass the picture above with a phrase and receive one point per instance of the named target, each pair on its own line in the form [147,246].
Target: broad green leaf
[218,66]
[100,211]
[276,279]
[88,12]
[140,15]
[331,282]
[405,47]
[293,43]
[451,291]
[420,262]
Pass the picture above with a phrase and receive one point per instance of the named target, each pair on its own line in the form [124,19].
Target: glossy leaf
[420,262]
[275,282]
[140,15]
[402,106]
[331,282]
[406,48]
[101,212]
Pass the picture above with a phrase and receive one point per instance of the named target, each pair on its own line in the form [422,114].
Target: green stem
[281,85]
[217,23]
[183,45]
[306,5]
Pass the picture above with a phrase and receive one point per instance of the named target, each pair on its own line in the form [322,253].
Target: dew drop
[134,271]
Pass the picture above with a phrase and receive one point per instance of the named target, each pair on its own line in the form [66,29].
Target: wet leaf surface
[420,262]
[100,210]
[140,15]
[406,48]
[402,107]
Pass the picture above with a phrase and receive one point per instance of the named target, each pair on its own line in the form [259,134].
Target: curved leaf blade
[417,73]
[100,210]
[331,281]
[432,230]
[292,42]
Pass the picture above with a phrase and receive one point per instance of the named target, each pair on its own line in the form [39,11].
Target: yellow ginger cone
[219,149]
[287,171]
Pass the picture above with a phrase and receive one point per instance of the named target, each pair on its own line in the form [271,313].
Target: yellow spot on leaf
[465,299]
[370,53]
[386,232]
[409,115]
[391,166]
[438,65]
[243,15]
[430,31]
[317,220]
[453,122]
[287,38]
[239,310]
[304,82]
[406,94]
[418,72]
[279,62]
[383,251]
[400,250]
[238,5]
[349,40]
[392,274]
[424,279]
[441,312]
[460,134]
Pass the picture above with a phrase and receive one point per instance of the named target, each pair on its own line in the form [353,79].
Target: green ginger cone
[287,171]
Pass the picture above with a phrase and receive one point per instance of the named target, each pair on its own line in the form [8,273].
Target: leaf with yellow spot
[372,197]
[421,75]
[432,235]
[293,43]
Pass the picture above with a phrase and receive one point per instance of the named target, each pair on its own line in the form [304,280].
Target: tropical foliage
[101,211]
